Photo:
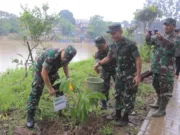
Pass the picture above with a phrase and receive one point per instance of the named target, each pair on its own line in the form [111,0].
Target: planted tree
[82,101]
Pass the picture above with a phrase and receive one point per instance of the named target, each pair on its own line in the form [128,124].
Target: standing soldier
[46,72]
[128,72]
[177,54]
[107,70]
[163,64]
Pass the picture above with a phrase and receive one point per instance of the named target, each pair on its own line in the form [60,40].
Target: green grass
[14,93]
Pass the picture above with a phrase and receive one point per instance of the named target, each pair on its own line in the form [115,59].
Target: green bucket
[94,83]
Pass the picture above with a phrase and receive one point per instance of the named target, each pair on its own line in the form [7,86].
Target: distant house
[82,23]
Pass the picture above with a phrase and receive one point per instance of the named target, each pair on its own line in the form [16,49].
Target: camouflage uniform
[163,67]
[125,52]
[163,63]
[51,61]
[107,71]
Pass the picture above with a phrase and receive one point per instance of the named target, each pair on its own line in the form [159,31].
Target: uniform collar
[170,34]
[122,42]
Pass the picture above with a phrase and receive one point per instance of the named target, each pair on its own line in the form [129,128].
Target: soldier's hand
[96,66]
[137,80]
[159,36]
[97,71]
[52,91]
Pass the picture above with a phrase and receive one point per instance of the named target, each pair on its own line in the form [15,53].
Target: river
[10,48]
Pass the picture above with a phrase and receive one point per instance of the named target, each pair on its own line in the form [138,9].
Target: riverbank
[13,98]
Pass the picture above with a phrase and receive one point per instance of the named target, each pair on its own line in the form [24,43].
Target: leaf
[96,95]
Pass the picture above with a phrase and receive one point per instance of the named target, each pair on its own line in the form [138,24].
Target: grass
[14,94]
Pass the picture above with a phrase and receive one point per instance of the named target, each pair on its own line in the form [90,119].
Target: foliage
[170,8]
[68,16]
[66,27]
[8,23]
[36,23]
[84,100]
[106,131]
[147,15]
[128,32]
[145,52]
[97,26]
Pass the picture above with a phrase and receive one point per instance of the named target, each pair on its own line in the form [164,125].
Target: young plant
[84,100]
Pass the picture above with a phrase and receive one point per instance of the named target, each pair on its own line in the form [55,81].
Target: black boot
[156,103]
[124,121]
[116,117]
[30,119]
[162,108]
[103,105]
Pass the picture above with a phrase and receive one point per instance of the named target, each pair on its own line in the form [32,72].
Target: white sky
[111,10]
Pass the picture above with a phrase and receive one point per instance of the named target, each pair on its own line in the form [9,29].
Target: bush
[145,52]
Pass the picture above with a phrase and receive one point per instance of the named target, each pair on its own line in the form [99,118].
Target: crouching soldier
[46,72]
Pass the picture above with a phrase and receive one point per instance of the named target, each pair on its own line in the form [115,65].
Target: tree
[8,22]
[36,25]
[66,27]
[97,26]
[67,15]
[125,23]
[170,8]
[147,15]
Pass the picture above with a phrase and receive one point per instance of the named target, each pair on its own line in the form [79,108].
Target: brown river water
[10,48]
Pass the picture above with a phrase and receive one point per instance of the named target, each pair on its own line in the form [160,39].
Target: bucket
[94,83]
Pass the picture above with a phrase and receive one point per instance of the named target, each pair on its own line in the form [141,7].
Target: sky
[111,10]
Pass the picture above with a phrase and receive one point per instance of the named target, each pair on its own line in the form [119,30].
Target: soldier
[107,70]
[163,64]
[128,72]
[177,54]
[46,72]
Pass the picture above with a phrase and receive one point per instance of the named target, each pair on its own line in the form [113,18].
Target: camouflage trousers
[37,89]
[106,76]
[125,93]
[163,84]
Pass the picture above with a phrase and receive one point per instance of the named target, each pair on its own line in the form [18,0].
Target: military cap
[170,21]
[70,52]
[99,41]
[114,27]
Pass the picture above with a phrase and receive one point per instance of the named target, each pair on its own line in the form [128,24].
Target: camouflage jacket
[50,60]
[164,56]
[110,66]
[125,54]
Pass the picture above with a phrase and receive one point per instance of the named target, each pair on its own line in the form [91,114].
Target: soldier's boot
[156,103]
[116,117]
[30,119]
[103,105]
[162,108]
[124,121]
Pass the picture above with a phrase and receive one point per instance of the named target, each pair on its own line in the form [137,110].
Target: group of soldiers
[121,60]
[124,57]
